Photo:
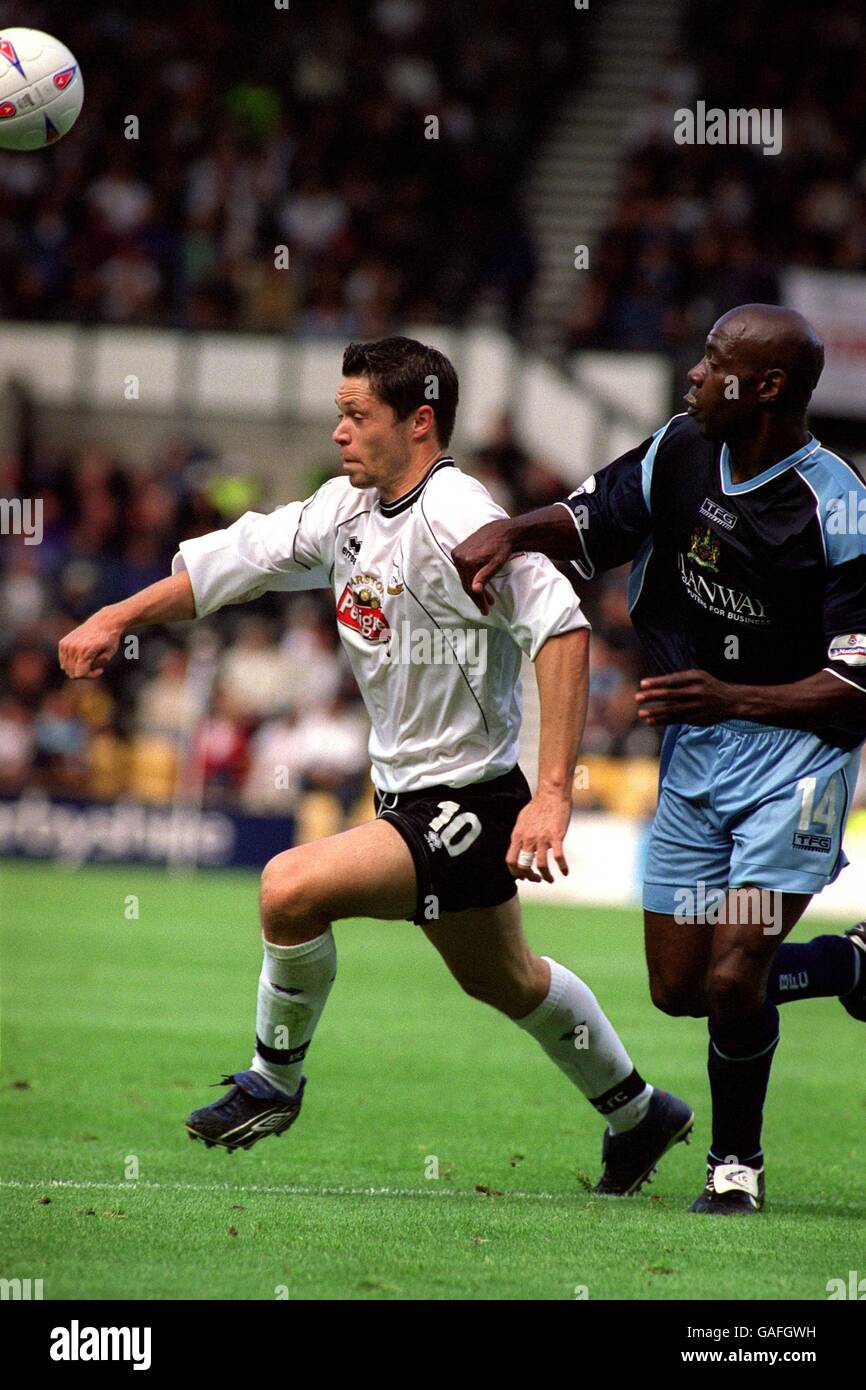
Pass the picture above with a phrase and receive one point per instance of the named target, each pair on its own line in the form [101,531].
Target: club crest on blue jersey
[705,549]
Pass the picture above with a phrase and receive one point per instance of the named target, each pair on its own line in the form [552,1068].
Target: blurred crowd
[378,141]
[700,228]
[255,707]
[325,147]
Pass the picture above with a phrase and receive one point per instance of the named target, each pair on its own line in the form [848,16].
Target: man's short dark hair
[406,374]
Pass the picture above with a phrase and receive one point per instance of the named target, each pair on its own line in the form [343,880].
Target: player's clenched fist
[86,651]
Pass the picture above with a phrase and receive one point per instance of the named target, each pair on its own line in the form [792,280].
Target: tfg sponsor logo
[77,1343]
[713,512]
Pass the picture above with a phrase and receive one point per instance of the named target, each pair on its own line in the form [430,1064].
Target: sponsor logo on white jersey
[359,607]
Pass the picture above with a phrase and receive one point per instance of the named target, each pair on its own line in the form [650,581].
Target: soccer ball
[41,91]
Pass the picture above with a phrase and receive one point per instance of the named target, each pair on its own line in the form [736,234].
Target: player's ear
[425,423]
[772,384]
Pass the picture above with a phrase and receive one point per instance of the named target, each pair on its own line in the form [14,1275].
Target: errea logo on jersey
[850,649]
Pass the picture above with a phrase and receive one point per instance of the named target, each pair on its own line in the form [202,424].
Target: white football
[41,91]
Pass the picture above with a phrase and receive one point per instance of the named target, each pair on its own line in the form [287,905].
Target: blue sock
[826,965]
[739,1062]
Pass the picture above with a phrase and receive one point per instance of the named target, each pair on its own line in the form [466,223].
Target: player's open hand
[685,697]
[85,652]
[538,832]
[481,556]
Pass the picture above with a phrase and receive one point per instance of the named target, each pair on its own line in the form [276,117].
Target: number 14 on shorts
[824,816]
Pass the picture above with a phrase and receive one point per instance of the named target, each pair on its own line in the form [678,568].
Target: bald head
[769,338]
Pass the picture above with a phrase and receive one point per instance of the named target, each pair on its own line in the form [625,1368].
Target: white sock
[576,1035]
[293,988]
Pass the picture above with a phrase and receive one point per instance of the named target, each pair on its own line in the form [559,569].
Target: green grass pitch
[113,1029]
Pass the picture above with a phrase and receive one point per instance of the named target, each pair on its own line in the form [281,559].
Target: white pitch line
[282,1190]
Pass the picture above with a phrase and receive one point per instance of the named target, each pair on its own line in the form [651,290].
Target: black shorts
[458,838]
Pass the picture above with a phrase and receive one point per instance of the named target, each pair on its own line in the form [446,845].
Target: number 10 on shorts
[449,826]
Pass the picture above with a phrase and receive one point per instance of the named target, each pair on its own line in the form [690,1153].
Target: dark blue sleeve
[611,510]
[845,620]
[845,594]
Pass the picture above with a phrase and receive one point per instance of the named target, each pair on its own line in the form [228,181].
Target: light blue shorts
[744,804]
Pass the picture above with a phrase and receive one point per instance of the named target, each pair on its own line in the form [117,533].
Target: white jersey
[440,681]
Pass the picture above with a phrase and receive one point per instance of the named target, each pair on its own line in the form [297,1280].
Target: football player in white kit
[456,823]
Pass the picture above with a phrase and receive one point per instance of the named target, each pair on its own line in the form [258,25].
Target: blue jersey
[777,562]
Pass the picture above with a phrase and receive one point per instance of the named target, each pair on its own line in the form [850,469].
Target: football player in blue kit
[748,594]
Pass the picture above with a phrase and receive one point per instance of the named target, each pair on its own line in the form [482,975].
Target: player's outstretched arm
[562,676]
[86,651]
[550,531]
